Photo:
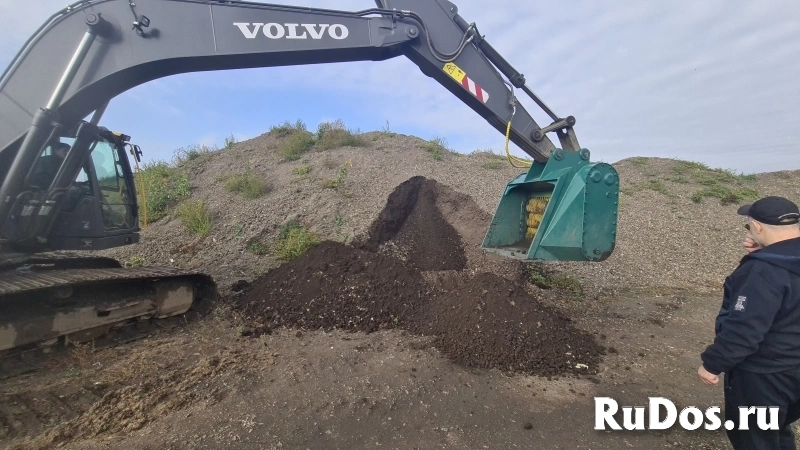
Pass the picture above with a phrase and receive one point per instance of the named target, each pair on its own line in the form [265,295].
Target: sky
[714,81]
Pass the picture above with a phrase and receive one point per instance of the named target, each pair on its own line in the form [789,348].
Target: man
[48,166]
[757,343]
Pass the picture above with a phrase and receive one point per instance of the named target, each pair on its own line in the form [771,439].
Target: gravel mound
[667,241]
[477,319]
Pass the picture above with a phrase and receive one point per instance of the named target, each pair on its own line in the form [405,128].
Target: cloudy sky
[716,81]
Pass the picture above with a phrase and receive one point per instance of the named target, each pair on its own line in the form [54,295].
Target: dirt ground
[204,386]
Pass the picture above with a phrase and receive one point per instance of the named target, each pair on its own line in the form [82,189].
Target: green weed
[305,169]
[296,144]
[135,261]
[436,147]
[194,215]
[387,131]
[162,186]
[658,186]
[546,279]
[335,134]
[293,241]
[286,128]
[341,175]
[257,247]
[230,141]
[489,153]
[726,195]
[194,152]
[247,184]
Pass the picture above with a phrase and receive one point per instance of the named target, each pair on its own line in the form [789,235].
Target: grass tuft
[194,216]
[547,279]
[341,175]
[247,184]
[164,187]
[437,147]
[183,155]
[293,241]
[726,195]
[335,134]
[305,169]
[257,247]
[296,144]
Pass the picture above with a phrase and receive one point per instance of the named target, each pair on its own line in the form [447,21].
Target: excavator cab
[84,199]
[562,210]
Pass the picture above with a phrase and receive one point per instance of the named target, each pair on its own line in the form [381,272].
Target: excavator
[68,188]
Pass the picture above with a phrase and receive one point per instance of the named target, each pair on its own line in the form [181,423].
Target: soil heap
[477,319]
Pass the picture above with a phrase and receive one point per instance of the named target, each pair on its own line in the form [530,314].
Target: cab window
[114,193]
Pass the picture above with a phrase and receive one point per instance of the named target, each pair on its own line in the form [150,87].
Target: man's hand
[707,377]
[750,245]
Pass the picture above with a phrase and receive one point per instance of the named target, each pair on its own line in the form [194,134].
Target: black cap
[772,210]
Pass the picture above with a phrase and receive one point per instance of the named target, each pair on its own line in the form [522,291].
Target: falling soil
[413,226]
[477,320]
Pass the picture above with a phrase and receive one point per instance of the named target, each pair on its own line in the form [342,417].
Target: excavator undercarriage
[76,298]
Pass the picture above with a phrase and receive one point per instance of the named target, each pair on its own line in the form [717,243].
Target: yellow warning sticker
[454,71]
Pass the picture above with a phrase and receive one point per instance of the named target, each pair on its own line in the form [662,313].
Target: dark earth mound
[488,322]
[481,321]
[413,223]
[335,286]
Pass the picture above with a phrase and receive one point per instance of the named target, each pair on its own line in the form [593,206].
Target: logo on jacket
[740,303]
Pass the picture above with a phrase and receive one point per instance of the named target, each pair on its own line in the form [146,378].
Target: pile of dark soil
[335,286]
[412,222]
[487,322]
[482,321]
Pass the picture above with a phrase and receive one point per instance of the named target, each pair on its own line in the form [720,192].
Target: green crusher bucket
[562,210]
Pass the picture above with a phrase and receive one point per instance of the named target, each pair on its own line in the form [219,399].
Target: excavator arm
[93,50]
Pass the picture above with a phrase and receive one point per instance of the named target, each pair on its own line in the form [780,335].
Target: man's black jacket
[758,326]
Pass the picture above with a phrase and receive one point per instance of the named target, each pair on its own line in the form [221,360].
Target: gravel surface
[665,240]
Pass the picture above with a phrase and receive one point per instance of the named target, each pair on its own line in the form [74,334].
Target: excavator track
[60,298]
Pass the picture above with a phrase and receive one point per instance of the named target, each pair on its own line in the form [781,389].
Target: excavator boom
[94,38]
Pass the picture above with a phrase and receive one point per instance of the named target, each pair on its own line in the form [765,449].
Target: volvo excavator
[68,188]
